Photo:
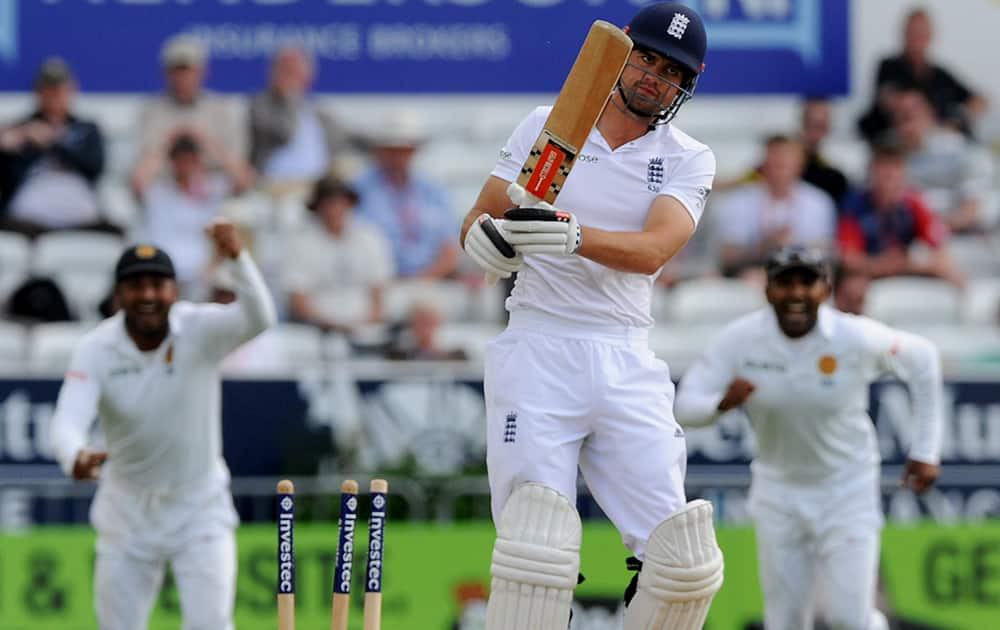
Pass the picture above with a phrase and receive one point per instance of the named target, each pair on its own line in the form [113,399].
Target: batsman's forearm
[492,200]
[633,252]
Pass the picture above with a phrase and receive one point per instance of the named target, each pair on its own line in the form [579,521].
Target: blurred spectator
[292,141]
[413,212]
[815,127]
[879,225]
[954,104]
[50,162]
[336,268]
[177,208]
[850,288]
[953,175]
[817,171]
[187,108]
[417,339]
[780,210]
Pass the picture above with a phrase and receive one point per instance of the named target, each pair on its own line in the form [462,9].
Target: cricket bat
[581,100]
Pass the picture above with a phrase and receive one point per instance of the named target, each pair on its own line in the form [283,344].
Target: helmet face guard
[674,31]
[665,111]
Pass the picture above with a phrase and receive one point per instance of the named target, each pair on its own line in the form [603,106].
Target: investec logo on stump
[376,525]
[286,545]
[345,561]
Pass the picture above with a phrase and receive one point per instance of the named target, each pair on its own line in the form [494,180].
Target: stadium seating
[15,261]
[981,305]
[468,337]
[450,298]
[84,290]
[962,346]
[118,204]
[976,255]
[710,300]
[913,301]
[51,346]
[680,345]
[79,250]
[287,348]
[13,346]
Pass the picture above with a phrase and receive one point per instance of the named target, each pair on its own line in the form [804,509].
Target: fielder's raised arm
[225,327]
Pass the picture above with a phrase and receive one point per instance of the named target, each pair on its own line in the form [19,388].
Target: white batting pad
[681,573]
[536,561]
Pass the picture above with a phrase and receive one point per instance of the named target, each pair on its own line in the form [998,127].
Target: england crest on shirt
[654,174]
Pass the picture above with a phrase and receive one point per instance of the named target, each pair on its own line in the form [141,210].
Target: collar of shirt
[644,142]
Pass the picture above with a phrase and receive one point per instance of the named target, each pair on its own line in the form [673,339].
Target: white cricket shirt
[810,407]
[159,410]
[609,190]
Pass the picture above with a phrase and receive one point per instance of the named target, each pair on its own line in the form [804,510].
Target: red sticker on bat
[545,171]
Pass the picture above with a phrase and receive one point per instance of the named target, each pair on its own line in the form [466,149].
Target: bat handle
[491,278]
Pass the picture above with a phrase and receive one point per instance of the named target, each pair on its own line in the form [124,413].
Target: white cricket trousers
[559,397]
[139,535]
[823,535]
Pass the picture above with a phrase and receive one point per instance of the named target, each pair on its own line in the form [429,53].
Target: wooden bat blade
[580,102]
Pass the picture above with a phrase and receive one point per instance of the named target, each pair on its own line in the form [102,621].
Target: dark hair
[184,144]
[809,100]
[779,138]
[887,151]
[917,12]
[330,187]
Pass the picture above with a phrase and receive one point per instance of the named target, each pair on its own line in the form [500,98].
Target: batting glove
[538,227]
[486,243]
[541,230]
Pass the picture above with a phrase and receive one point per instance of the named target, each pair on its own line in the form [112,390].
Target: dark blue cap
[144,259]
[672,30]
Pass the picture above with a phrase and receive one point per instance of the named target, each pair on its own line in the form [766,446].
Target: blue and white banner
[432,427]
[412,46]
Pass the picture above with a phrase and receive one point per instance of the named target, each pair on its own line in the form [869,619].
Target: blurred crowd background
[351,201]
[352,205]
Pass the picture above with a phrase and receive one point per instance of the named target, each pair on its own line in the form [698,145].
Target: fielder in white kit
[150,373]
[571,382]
[801,371]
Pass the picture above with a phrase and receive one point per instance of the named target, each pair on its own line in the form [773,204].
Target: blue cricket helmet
[675,31]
